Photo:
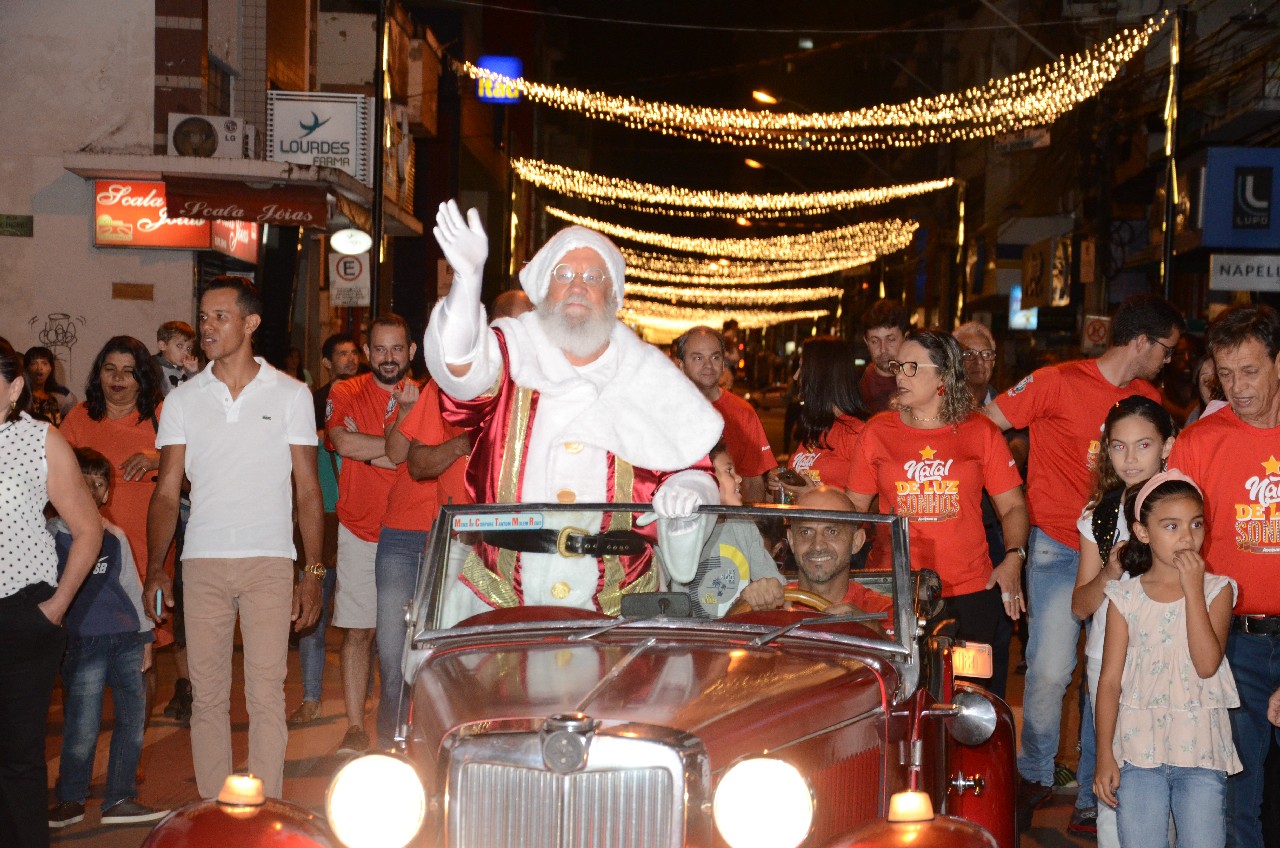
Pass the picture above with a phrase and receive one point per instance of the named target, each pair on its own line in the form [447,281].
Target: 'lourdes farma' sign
[496,91]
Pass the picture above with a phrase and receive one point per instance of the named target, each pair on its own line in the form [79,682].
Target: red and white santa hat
[535,277]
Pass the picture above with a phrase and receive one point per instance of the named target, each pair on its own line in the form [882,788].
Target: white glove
[465,245]
[676,501]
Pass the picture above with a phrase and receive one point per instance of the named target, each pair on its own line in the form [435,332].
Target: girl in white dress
[1164,737]
[1136,440]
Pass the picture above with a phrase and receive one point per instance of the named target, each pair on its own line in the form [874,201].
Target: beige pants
[260,591]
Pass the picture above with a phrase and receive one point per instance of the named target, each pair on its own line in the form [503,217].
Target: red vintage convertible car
[551,727]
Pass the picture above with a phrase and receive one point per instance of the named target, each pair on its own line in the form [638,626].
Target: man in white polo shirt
[242,432]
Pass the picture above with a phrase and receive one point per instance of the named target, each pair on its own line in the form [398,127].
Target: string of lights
[687,271]
[872,237]
[1006,104]
[670,321]
[576,183]
[731,297]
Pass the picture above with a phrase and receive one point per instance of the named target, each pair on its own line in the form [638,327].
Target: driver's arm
[763,594]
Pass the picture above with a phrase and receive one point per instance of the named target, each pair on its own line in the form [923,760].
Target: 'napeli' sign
[1244,272]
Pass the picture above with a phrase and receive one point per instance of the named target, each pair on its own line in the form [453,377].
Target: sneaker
[1084,822]
[354,741]
[130,811]
[65,813]
[307,712]
[1064,779]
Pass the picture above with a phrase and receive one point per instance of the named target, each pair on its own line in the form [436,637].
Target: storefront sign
[235,238]
[348,279]
[285,205]
[1046,273]
[320,128]
[1239,189]
[130,213]
[494,91]
[1033,138]
[1242,272]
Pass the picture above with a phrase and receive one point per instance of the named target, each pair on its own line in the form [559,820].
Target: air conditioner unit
[206,136]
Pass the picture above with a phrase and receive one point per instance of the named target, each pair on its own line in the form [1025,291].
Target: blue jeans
[1255,662]
[395,568]
[311,647]
[93,663]
[1195,796]
[1053,633]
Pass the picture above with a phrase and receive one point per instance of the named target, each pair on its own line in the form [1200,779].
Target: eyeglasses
[908,368]
[984,355]
[565,275]
[1168,349]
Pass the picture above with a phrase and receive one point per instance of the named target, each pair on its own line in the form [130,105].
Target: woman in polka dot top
[36,466]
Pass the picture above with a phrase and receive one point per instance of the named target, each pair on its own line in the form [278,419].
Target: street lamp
[764,97]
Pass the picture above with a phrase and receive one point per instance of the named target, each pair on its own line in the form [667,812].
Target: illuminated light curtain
[872,237]
[701,272]
[709,203]
[670,321]
[1026,99]
[732,297]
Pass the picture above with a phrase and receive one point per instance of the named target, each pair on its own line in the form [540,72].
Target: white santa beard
[577,337]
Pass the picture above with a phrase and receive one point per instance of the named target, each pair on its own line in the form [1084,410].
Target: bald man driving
[823,552]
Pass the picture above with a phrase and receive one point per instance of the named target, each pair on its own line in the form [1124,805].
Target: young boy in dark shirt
[109,645]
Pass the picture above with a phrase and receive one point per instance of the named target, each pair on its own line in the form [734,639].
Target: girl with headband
[1136,439]
[1164,737]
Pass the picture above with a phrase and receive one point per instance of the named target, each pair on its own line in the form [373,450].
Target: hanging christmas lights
[688,271]
[731,297]
[670,321]
[644,196]
[1007,104]
[873,238]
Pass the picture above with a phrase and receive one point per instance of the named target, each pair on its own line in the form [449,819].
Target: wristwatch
[315,569]
[1021,552]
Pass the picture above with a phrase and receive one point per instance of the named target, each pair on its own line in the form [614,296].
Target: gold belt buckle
[563,539]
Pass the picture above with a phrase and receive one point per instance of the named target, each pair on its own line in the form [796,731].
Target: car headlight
[763,802]
[376,801]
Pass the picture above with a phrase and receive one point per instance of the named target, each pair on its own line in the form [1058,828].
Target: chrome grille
[502,806]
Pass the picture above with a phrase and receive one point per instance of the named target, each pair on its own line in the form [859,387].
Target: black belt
[569,542]
[1257,625]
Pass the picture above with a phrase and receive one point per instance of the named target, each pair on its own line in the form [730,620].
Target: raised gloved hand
[465,245]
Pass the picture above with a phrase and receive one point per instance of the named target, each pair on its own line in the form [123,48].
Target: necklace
[920,420]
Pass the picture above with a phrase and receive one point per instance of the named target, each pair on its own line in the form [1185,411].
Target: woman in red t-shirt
[831,417]
[930,461]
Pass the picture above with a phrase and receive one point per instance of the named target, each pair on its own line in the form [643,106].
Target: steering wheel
[790,595]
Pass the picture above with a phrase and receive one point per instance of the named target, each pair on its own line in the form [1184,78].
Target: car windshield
[474,571]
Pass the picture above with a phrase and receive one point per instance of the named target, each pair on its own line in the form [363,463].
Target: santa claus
[569,406]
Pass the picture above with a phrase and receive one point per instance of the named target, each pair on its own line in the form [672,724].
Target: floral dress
[1169,715]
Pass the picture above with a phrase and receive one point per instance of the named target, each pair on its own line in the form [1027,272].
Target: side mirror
[974,720]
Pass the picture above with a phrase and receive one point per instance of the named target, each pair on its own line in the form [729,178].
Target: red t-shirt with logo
[1065,406]
[413,505]
[1237,466]
[936,478]
[830,465]
[362,488]
[744,436]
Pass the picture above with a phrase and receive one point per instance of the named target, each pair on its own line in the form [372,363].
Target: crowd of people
[127,524]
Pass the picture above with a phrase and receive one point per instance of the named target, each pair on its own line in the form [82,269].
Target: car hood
[735,698]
